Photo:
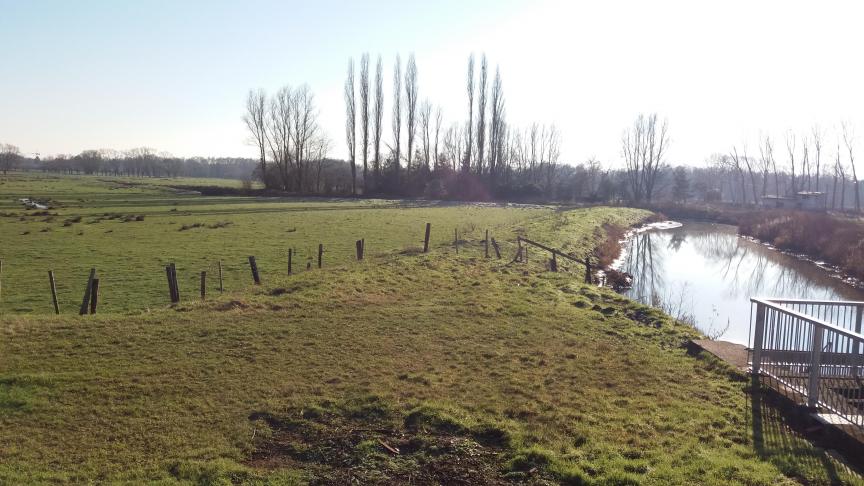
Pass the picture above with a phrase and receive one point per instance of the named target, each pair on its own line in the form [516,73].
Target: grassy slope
[573,381]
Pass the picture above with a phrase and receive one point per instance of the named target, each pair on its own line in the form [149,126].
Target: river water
[707,273]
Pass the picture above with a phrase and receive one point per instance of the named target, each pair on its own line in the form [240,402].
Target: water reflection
[707,273]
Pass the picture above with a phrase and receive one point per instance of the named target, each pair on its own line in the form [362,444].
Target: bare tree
[411,108]
[841,174]
[10,157]
[426,132]
[791,143]
[350,124]
[644,147]
[739,168]
[849,141]
[817,145]
[279,133]
[255,119]
[466,163]
[481,115]
[438,121]
[496,129]
[305,129]
[396,120]
[364,114]
[377,117]
[550,154]
[768,163]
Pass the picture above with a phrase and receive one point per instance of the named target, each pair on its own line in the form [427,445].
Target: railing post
[758,340]
[856,350]
[815,366]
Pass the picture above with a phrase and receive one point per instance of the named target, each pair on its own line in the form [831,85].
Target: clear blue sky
[173,75]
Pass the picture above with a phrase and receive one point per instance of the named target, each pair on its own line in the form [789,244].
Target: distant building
[807,200]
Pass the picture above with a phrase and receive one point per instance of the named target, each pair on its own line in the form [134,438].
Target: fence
[813,349]
[92,288]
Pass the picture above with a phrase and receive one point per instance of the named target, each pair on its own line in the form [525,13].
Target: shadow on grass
[778,437]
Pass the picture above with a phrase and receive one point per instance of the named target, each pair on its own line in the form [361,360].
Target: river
[706,274]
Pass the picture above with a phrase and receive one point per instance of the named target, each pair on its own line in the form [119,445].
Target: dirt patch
[231,305]
[367,444]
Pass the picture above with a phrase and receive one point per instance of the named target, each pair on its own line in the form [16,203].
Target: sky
[173,75]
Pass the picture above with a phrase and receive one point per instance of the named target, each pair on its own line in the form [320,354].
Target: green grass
[517,373]
[97,226]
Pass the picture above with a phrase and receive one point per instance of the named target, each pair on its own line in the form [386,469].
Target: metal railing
[814,349]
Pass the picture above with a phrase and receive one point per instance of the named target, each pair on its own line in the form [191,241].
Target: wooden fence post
[496,248]
[426,238]
[359,245]
[290,257]
[588,276]
[203,284]
[1,279]
[554,263]
[320,254]
[221,288]
[254,266]
[53,291]
[94,295]
[86,301]
[487,243]
[174,283]
[456,239]
[170,283]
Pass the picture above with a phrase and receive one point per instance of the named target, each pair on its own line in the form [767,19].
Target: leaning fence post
[487,243]
[94,295]
[497,250]
[426,238]
[203,284]
[174,283]
[320,254]
[758,340]
[86,301]
[254,267]
[53,291]
[815,367]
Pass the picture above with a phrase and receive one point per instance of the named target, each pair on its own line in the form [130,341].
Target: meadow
[130,229]
[404,368]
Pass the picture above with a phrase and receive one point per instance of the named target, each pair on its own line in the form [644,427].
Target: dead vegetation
[837,241]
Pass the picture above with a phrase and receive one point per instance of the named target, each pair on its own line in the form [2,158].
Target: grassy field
[476,371]
[129,229]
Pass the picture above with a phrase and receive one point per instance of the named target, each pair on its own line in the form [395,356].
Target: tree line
[479,156]
[137,162]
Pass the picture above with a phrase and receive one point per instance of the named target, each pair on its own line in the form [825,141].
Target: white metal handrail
[821,360]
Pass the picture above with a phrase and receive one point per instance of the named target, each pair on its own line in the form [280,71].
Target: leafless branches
[377,117]
[255,119]
[411,102]
[364,114]
[644,147]
[466,162]
[350,124]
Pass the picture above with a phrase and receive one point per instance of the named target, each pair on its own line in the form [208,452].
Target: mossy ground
[475,369]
